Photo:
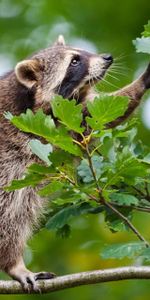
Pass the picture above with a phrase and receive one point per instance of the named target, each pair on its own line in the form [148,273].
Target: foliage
[105,110]
[143,44]
[121,250]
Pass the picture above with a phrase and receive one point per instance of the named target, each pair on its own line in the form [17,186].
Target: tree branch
[131,226]
[78,279]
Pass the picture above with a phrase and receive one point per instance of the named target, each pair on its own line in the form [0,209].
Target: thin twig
[95,149]
[139,191]
[93,198]
[64,176]
[131,226]
[145,196]
[136,207]
[92,169]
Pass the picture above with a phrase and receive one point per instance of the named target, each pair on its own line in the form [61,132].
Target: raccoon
[61,70]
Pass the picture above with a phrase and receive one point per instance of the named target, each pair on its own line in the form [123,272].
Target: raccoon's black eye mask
[75,74]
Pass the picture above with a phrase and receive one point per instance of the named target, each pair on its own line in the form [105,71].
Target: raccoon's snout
[99,65]
[108,59]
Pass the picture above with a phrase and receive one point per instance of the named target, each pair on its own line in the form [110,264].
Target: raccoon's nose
[108,58]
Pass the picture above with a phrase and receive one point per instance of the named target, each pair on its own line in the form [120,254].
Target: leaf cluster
[143,44]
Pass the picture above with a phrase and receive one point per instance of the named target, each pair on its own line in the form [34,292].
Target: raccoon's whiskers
[121,67]
[110,75]
[106,81]
[120,70]
[120,57]
[90,78]
[75,94]
[116,72]
[93,83]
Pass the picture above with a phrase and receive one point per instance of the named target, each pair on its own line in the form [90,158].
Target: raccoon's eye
[75,61]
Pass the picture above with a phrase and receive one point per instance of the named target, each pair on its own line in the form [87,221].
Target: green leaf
[8,115]
[40,169]
[126,199]
[120,251]
[59,158]
[145,254]
[51,188]
[127,136]
[63,216]
[114,222]
[37,123]
[84,170]
[64,232]
[63,140]
[127,168]
[29,180]
[130,168]
[142,44]
[64,163]
[68,112]
[43,126]
[105,109]
[108,147]
[146,159]
[66,198]
[146,32]
[41,150]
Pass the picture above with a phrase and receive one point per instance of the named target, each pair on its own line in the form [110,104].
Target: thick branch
[83,278]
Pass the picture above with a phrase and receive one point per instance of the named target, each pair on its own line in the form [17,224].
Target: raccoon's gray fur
[57,70]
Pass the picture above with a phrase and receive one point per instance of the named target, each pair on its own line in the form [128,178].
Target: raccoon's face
[62,70]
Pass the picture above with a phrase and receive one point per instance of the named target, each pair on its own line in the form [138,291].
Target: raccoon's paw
[28,279]
[28,282]
[146,77]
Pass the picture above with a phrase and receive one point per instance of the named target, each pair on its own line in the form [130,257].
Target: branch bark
[78,279]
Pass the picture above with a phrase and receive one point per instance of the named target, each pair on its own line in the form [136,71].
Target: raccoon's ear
[60,41]
[27,72]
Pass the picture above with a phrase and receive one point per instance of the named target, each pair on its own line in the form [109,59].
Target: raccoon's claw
[29,284]
[44,275]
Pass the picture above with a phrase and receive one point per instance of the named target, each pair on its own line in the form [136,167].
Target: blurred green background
[100,26]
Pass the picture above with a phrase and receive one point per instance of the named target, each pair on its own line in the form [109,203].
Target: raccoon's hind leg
[27,278]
